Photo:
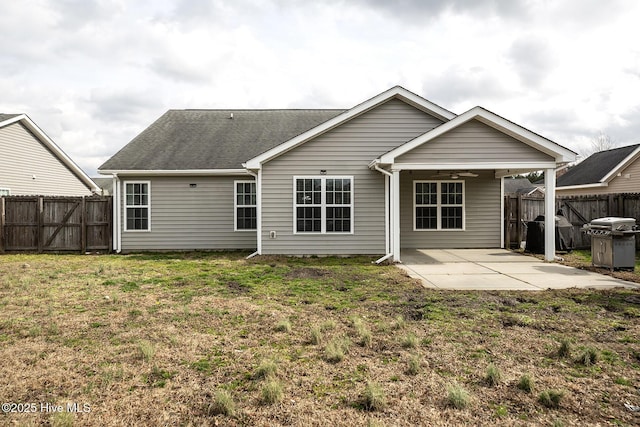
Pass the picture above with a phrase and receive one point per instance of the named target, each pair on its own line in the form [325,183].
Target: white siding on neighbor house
[23,156]
[344,151]
[482,214]
[189,218]
[473,142]
[619,184]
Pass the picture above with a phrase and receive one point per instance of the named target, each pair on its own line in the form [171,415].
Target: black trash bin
[535,235]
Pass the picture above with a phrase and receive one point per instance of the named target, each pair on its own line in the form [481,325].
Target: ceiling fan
[454,174]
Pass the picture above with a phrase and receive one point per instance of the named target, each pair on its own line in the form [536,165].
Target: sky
[95,73]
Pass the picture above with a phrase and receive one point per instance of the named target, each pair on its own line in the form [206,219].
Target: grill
[613,242]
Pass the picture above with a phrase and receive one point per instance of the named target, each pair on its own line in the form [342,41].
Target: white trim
[323,204]
[175,172]
[395,215]
[579,187]
[117,214]
[502,213]
[622,165]
[8,191]
[439,205]
[395,92]
[561,154]
[550,215]
[236,206]
[473,165]
[147,206]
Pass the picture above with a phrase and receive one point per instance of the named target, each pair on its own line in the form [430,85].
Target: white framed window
[438,205]
[323,204]
[5,191]
[245,206]
[137,206]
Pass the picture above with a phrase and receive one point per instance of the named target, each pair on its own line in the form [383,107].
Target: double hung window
[438,205]
[323,205]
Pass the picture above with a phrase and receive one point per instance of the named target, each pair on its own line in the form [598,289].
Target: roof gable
[599,167]
[559,153]
[211,139]
[396,92]
[8,119]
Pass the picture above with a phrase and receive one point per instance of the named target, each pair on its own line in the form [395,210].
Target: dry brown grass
[152,339]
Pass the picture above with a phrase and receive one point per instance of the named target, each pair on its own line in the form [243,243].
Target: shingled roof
[5,116]
[212,139]
[595,167]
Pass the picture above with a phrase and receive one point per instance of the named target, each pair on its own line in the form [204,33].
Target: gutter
[117,229]
[388,176]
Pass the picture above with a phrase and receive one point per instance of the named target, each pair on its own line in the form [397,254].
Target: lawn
[215,339]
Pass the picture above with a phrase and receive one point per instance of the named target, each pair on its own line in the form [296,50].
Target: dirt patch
[307,273]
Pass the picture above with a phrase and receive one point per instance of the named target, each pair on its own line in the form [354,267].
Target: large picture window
[438,205]
[245,205]
[323,204]
[137,206]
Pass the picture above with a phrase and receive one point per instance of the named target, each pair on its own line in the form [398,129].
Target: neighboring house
[32,164]
[522,186]
[605,172]
[105,185]
[393,172]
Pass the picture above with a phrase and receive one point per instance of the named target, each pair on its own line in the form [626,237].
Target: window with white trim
[245,205]
[5,191]
[137,206]
[438,205]
[323,204]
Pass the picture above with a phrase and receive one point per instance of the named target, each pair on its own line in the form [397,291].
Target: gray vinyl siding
[23,156]
[473,142]
[186,218]
[343,151]
[482,210]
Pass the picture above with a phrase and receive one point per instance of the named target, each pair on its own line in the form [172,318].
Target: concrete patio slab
[497,269]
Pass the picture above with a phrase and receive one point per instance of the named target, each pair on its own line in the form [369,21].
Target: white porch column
[395,214]
[550,214]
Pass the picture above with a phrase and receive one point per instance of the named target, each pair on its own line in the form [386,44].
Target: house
[32,164]
[104,184]
[522,187]
[396,171]
[605,172]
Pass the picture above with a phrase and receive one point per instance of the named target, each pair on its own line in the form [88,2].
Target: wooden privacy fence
[55,224]
[579,210]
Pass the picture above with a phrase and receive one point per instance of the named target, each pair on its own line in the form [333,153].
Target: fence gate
[55,224]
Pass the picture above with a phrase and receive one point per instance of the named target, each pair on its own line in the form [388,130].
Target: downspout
[117,233]
[258,178]
[387,249]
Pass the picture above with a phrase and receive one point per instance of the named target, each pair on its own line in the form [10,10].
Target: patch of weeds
[336,350]
[202,365]
[158,377]
[410,340]
[222,404]
[551,398]
[146,350]
[526,383]
[414,365]
[501,411]
[62,419]
[283,326]
[315,335]
[373,397]
[271,392]
[129,287]
[365,338]
[328,325]
[564,351]
[267,368]
[623,381]
[400,322]
[458,397]
[588,357]
[493,375]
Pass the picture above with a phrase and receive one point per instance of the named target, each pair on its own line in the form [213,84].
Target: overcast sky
[95,73]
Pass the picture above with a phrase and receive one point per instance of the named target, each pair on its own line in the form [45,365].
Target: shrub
[458,397]
[564,350]
[222,404]
[272,392]
[551,398]
[588,357]
[526,383]
[493,376]
[373,397]
[413,367]
[267,368]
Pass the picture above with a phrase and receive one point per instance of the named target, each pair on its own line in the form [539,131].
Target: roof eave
[635,154]
[174,172]
[583,186]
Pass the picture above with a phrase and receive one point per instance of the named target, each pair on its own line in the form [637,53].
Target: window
[137,206]
[245,205]
[438,205]
[5,192]
[323,205]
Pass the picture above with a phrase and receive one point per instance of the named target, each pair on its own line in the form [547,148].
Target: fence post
[40,219]
[507,222]
[2,224]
